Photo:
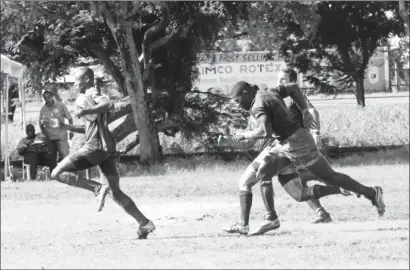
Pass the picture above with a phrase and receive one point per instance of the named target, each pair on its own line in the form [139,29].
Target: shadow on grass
[218,235]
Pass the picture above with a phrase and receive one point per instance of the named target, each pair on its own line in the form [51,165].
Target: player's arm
[76,128]
[42,123]
[293,90]
[262,130]
[104,105]
[68,116]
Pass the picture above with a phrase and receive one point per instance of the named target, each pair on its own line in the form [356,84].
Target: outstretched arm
[263,130]
[293,90]
[76,128]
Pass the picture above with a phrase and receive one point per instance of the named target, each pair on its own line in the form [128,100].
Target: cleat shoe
[101,196]
[266,226]
[378,201]
[345,192]
[322,217]
[146,229]
[237,228]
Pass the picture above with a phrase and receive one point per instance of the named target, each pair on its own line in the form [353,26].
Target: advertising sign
[222,70]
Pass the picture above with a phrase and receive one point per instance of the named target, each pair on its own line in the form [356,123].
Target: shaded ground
[48,225]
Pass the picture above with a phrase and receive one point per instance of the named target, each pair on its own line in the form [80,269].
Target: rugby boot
[378,201]
[237,228]
[101,196]
[267,226]
[322,217]
[146,229]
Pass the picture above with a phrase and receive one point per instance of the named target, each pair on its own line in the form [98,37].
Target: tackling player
[296,147]
[99,150]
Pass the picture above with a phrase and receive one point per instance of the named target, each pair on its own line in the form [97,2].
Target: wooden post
[6,130]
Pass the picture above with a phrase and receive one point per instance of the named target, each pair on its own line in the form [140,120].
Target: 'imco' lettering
[216,70]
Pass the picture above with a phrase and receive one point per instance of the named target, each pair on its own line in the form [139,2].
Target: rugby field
[48,225]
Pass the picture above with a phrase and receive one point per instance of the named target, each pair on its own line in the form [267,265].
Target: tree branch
[135,7]
[121,108]
[110,65]
[152,32]
[103,8]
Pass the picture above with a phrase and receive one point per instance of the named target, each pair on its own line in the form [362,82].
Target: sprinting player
[296,147]
[99,150]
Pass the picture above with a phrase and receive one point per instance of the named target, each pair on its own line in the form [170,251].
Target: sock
[268,201]
[133,211]
[74,180]
[245,201]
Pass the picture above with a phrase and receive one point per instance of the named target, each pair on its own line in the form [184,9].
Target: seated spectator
[35,150]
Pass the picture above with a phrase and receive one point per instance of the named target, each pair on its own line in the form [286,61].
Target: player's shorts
[85,158]
[299,148]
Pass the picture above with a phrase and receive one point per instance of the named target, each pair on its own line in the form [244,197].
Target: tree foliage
[55,36]
[344,37]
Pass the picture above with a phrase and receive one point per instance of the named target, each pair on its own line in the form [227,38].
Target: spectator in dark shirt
[35,150]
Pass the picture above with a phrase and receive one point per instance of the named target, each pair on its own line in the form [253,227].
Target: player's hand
[71,135]
[45,121]
[78,113]
[318,141]
[308,120]
[239,137]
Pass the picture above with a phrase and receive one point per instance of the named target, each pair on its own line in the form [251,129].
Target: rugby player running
[99,150]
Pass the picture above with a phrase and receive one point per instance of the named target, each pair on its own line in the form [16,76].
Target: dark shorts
[300,149]
[85,158]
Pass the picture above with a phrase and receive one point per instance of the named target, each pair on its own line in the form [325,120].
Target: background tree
[345,36]
[157,89]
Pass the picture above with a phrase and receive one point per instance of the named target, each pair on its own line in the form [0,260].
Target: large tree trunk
[150,150]
[404,15]
[360,91]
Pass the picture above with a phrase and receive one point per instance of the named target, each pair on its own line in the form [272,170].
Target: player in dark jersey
[292,179]
[99,150]
[296,147]
[289,177]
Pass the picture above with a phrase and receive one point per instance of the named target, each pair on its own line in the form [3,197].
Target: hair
[241,87]
[85,71]
[293,75]
[30,125]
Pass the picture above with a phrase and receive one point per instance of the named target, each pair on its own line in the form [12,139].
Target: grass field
[342,126]
[49,225]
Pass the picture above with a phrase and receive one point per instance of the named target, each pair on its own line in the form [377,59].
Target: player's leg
[246,181]
[306,176]
[108,168]
[322,216]
[271,220]
[322,169]
[291,181]
[266,167]
[65,171]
